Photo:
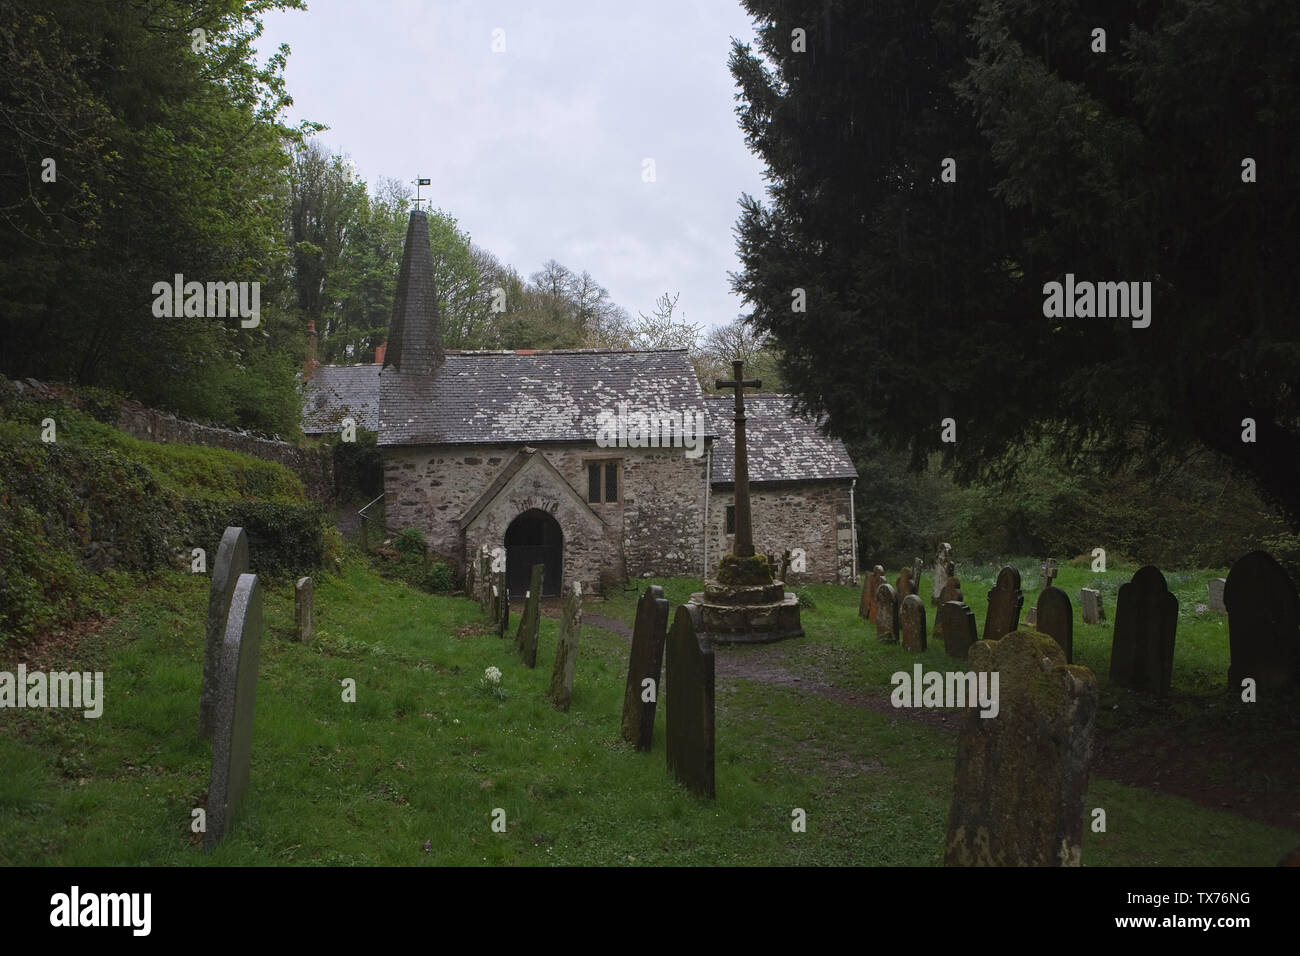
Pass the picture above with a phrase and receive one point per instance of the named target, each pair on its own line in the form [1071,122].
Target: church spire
[415,336]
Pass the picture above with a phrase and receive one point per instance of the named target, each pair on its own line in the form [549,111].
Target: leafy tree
[925,297]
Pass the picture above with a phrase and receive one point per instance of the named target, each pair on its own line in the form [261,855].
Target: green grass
[426,753]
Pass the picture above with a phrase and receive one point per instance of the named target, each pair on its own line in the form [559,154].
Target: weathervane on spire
[420,181]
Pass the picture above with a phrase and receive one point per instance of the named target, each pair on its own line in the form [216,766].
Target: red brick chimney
[380,351]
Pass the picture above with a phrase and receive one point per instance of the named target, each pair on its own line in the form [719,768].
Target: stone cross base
[747,614]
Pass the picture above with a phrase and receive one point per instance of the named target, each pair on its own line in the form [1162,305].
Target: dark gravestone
[951,592]
[1146,618]
[870,585]
[232,738]
[916,575]
[484,579]
[1263,624]
[904,585]
[526,638]
[911,614]
[1022,776]
[232,561]
[1056,619]
[1216,594]
[1093,612]
[1005,602]
[645,664]
[956,622]
[471,585]
[886,615]
[503,604]
[688,707]
[566,648]
[302,609]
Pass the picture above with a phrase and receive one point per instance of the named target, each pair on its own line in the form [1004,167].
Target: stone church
[603,465]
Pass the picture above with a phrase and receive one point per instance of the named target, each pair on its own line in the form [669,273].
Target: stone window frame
[602,462]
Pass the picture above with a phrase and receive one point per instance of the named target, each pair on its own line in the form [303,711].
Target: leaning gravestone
[1005,602]
[302,609]
[1093,612]
[870,585]
[886,615]
[566,648]
[956,623]
[1146,619]
[688,716]
[942,572]
[645,664]
[904,585]
[1046,574]
[526,638]
[503,604]
[232,561]
[1056,619]
[232,738]
[1022,776]
[1263,624]
[911,614]
[1216,594]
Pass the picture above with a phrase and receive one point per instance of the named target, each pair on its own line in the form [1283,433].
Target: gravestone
[232,561]
[886,615]
[1263,625]
[951,592]
[232,737]
[1046,574]
[870,585]
[1031,618]
[904,585]
[503,604]
[1216,594]
[943,567]
[1093,612]
[526,638]
[302,609]
[911,614]
[484,578]
[1056,619]
[645,664]
[1005,601]
[916,575]
[1022,776]
[688,707]
[471,584]
[956,622]
[566,648]
[1146,619]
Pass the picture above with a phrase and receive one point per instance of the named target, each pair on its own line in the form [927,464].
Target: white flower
[492,675]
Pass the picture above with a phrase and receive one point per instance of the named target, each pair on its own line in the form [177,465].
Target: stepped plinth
[744,605]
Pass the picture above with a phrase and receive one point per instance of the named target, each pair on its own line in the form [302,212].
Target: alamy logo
[102,909]
[216,300]
[951,689]
[656,428]
[1100,300]
[60,689]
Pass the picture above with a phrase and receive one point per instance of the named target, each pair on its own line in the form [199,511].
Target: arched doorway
[534,538]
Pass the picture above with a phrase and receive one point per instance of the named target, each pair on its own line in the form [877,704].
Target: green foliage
[282,539]
[438,578]
[358,467]
[411,541]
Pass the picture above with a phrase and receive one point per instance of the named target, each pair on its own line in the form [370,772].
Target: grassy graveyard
[412,771]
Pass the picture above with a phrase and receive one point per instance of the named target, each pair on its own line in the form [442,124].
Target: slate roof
[781,447]
[532,395]
[336,392]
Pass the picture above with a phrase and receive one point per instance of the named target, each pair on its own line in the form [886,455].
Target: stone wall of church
[815,516]
[655,527]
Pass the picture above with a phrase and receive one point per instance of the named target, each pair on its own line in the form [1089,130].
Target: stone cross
[232,561]
[1046,574]
[232,736]
[644,668]
[690,716]
[744,545]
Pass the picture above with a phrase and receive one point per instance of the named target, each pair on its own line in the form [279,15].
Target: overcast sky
[538,150]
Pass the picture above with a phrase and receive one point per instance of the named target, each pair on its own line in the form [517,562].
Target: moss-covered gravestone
[1056,619]
[1005,601]
[232,561]
[886,614]
[303,598]
[232,738]
[870,585]
[1093,610]
[526,637]
[1263,625]
[956,623]
[689,703]
[644,667]
[904,585]
[911,628]
[1146,620]
[566,648]
[484,579]
[1022,775]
